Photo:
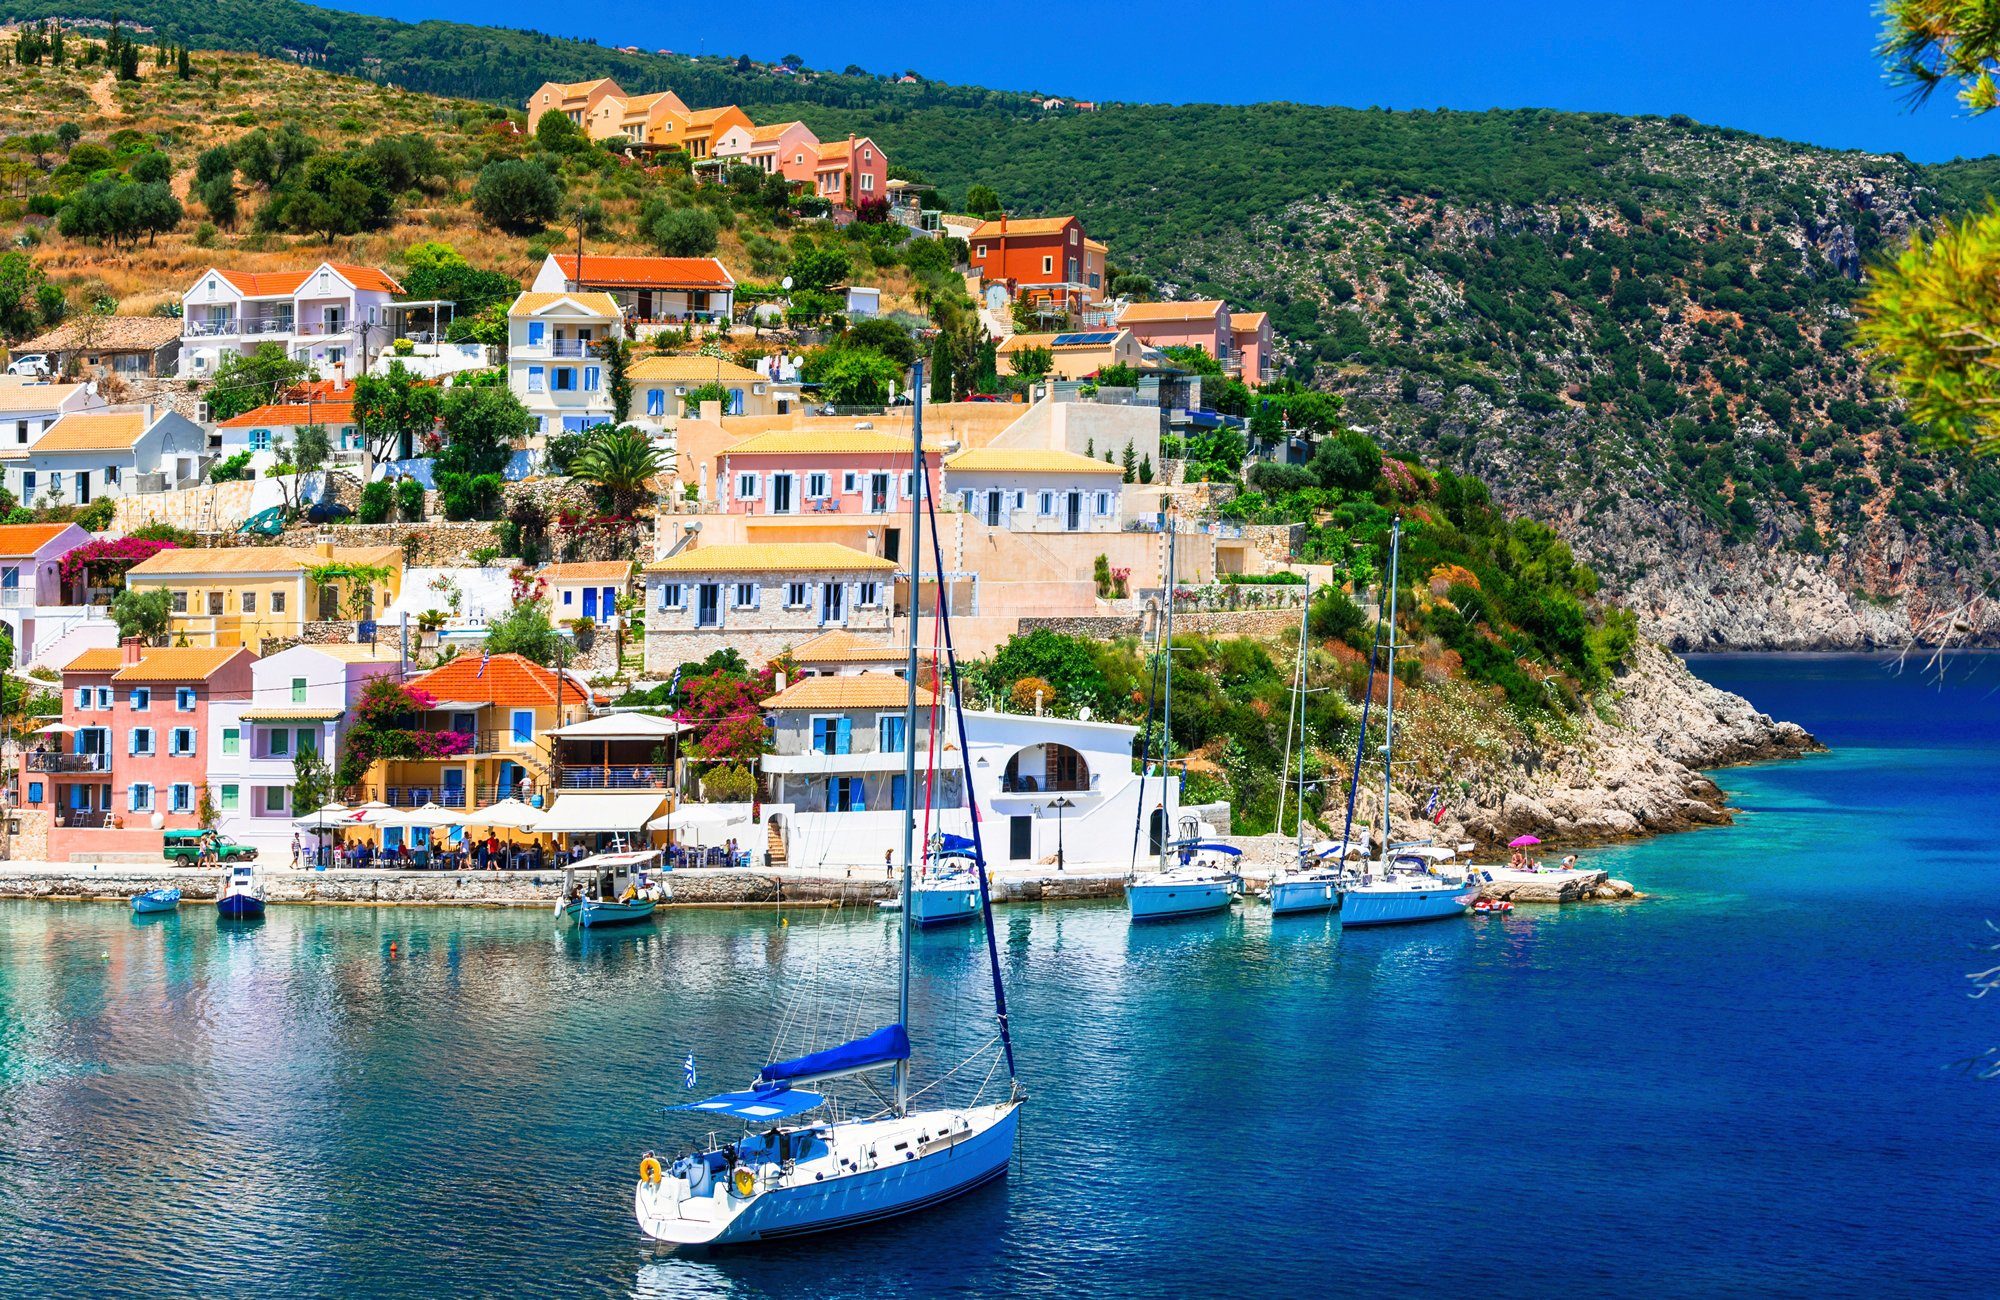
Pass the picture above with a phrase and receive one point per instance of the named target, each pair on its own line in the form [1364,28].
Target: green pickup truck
[185,846]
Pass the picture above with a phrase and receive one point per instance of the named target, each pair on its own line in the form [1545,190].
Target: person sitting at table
[535,858]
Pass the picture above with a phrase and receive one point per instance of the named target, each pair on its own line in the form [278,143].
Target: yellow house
[661,386]
[246,595]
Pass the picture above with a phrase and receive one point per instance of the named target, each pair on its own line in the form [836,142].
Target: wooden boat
[242,898]
[588,913]
[156,900]
[620,888]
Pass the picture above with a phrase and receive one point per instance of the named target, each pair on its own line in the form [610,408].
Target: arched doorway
[1034,769]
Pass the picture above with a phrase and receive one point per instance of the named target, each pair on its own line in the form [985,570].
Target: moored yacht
[948,890]
[1204,879]
[1312,885]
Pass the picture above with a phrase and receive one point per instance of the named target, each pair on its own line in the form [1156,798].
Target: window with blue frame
[142,699]
[899,790]
[593,377]
[894,730]
[846,794]
[831,735]
[536,330]
[537,379]
[184,699]
[34,792]
[524,726]
[656,401]
[260,440]
[735,401]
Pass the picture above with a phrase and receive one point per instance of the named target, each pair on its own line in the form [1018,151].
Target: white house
[1044,785]
[121,451]
[327,315]
[263,430]
[588,589]
[1028,490]
[650,290]
[28,408]
[760,598]
[551,363]
[38,608]
[300,698]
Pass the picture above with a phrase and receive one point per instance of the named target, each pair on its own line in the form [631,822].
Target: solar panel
[1082,340]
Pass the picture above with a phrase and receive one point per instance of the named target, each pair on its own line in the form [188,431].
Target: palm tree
[620,460]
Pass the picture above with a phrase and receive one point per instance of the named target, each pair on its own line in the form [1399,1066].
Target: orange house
[788,149]
[1040,259]
[700,131]
[642,119]
[851,172]
[576,100]
[1250,336]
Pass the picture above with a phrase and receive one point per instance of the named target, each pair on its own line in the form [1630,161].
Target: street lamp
[1059,803]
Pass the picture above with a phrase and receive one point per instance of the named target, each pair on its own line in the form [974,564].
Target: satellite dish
[785,283]
[91,388]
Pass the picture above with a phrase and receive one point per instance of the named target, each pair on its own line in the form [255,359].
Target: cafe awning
[581,813]
[620,726]
[303,714]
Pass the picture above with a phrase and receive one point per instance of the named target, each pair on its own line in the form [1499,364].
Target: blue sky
[1804,71]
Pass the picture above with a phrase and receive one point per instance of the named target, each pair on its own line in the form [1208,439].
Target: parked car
[185,846]
[35,365]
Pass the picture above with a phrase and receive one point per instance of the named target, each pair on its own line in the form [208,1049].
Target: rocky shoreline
[1635,771]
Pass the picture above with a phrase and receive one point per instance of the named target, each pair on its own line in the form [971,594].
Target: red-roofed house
[651,290]
[497,709]
[1039,259]
[260,432]
[1250,336]
[317,315]
[851,172]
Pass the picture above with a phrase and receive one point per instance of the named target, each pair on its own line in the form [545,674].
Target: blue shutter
[535,333]
[608,603]
[856,795]
[843,738]
[589,602]
[898,791]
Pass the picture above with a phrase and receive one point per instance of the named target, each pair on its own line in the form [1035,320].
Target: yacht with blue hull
[1409,891]
[1316,889]
[242,898]
[1203,881]
[788,1175]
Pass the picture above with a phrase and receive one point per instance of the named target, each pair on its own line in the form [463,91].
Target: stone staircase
[774,844]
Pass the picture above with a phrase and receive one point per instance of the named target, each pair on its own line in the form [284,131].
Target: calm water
[1742,1085]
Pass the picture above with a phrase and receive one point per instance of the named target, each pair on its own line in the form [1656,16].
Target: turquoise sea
[1744,1084]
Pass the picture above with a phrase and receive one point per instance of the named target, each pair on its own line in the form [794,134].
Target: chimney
[323,545]
[132,649]
[712,411]
[149,415]
[778,682]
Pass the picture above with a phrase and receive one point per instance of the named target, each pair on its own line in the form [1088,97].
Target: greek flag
[1432,805]
[674,686]
[687,1068]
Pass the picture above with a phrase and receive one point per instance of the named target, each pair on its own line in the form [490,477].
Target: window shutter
[132,741]
[132,799]
[756,595]
[844,738]
[535,328]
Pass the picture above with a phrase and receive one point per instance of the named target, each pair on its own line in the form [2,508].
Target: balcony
[617,777]
[60,763]
[1011,783]
[416,796]
[573,349]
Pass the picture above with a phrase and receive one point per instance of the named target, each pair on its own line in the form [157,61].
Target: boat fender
[650,1171]
[744,1180]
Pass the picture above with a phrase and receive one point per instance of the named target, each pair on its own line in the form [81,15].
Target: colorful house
[262,431]
[703,130]
[851,172]
[1037,491]
[588,590]
[319,315]
[1250,339]
[36,605]
[838,745]
[640,119]
[552,361]
[760,598]
[1203,323]
[575,100]
[28,408]
[815,472]
[247,595]
[114,452]
[649,290]
[136,761]
[787,149]
[495,709]
[662,386]
[300,699]
[1078,354]
[1038,259]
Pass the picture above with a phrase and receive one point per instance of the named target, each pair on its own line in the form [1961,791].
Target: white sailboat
[1401,886]
[1312,884]
[786,1179]
[1195,875]
[948,889]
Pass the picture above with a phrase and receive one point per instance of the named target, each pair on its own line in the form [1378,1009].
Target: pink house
[788,148]
[1203,323]
[135,761]
[851,172]
[810,473]
[1250,335]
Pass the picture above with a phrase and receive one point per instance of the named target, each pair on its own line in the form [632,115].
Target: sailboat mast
[916,554]
[1167,698]
[1305,614]
[1389,695]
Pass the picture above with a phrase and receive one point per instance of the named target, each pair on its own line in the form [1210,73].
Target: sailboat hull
[825,1201]
[1303,895]
[1162,902]
[1363,906]
[943,906]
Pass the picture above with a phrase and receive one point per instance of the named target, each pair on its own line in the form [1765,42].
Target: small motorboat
[242,898]
[619,888]
[156,900]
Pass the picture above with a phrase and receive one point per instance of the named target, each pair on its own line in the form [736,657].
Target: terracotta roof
[292,413]
[775,557]
[697,370]
[648,272]
[1016,342]
[256,559]
[367,277]
[833,151]
[588,571]
[270,284]
[1164,311]
[710,116]
[601,304]
[848,691]
[772,130]
[179,664]
[792,442]
[508,680]
[26,539]
[18,396]
[93,333]
[1096,246]
[842,647]
[1027,460]
[104,659]
[1020,226]
[577,89]
[93,431]
[1245,321]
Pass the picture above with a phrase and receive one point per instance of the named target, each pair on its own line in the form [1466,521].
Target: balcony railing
[571,348]
[17,597]
[38,762]
[618,777]
[416,796]
[1011,783]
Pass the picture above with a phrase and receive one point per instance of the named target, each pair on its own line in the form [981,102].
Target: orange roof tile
[506,679]
[367,277]
[1244,322]
[264,284]
[26,539]
[1168,311]
[180,664]
[1021,226]
[588,571]
[773,130]
[849,691]
[104,659]
[292,413]
[648,272]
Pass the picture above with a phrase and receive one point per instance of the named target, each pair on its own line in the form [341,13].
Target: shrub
[517,196]
[376,501]
[469,496]
[231,469]
[684,232]
[1335,616]
[730,784]
[96,517]
[410,500]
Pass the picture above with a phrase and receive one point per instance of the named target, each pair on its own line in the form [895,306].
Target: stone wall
[28,832]
[1239,622]
[1273,544]
[439,544]
[1096,627]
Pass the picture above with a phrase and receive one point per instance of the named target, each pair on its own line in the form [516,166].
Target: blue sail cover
[949,843]
[1210,846]
[883,1047]
[757,1105]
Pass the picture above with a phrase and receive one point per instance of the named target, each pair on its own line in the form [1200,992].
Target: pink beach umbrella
[1522,842]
